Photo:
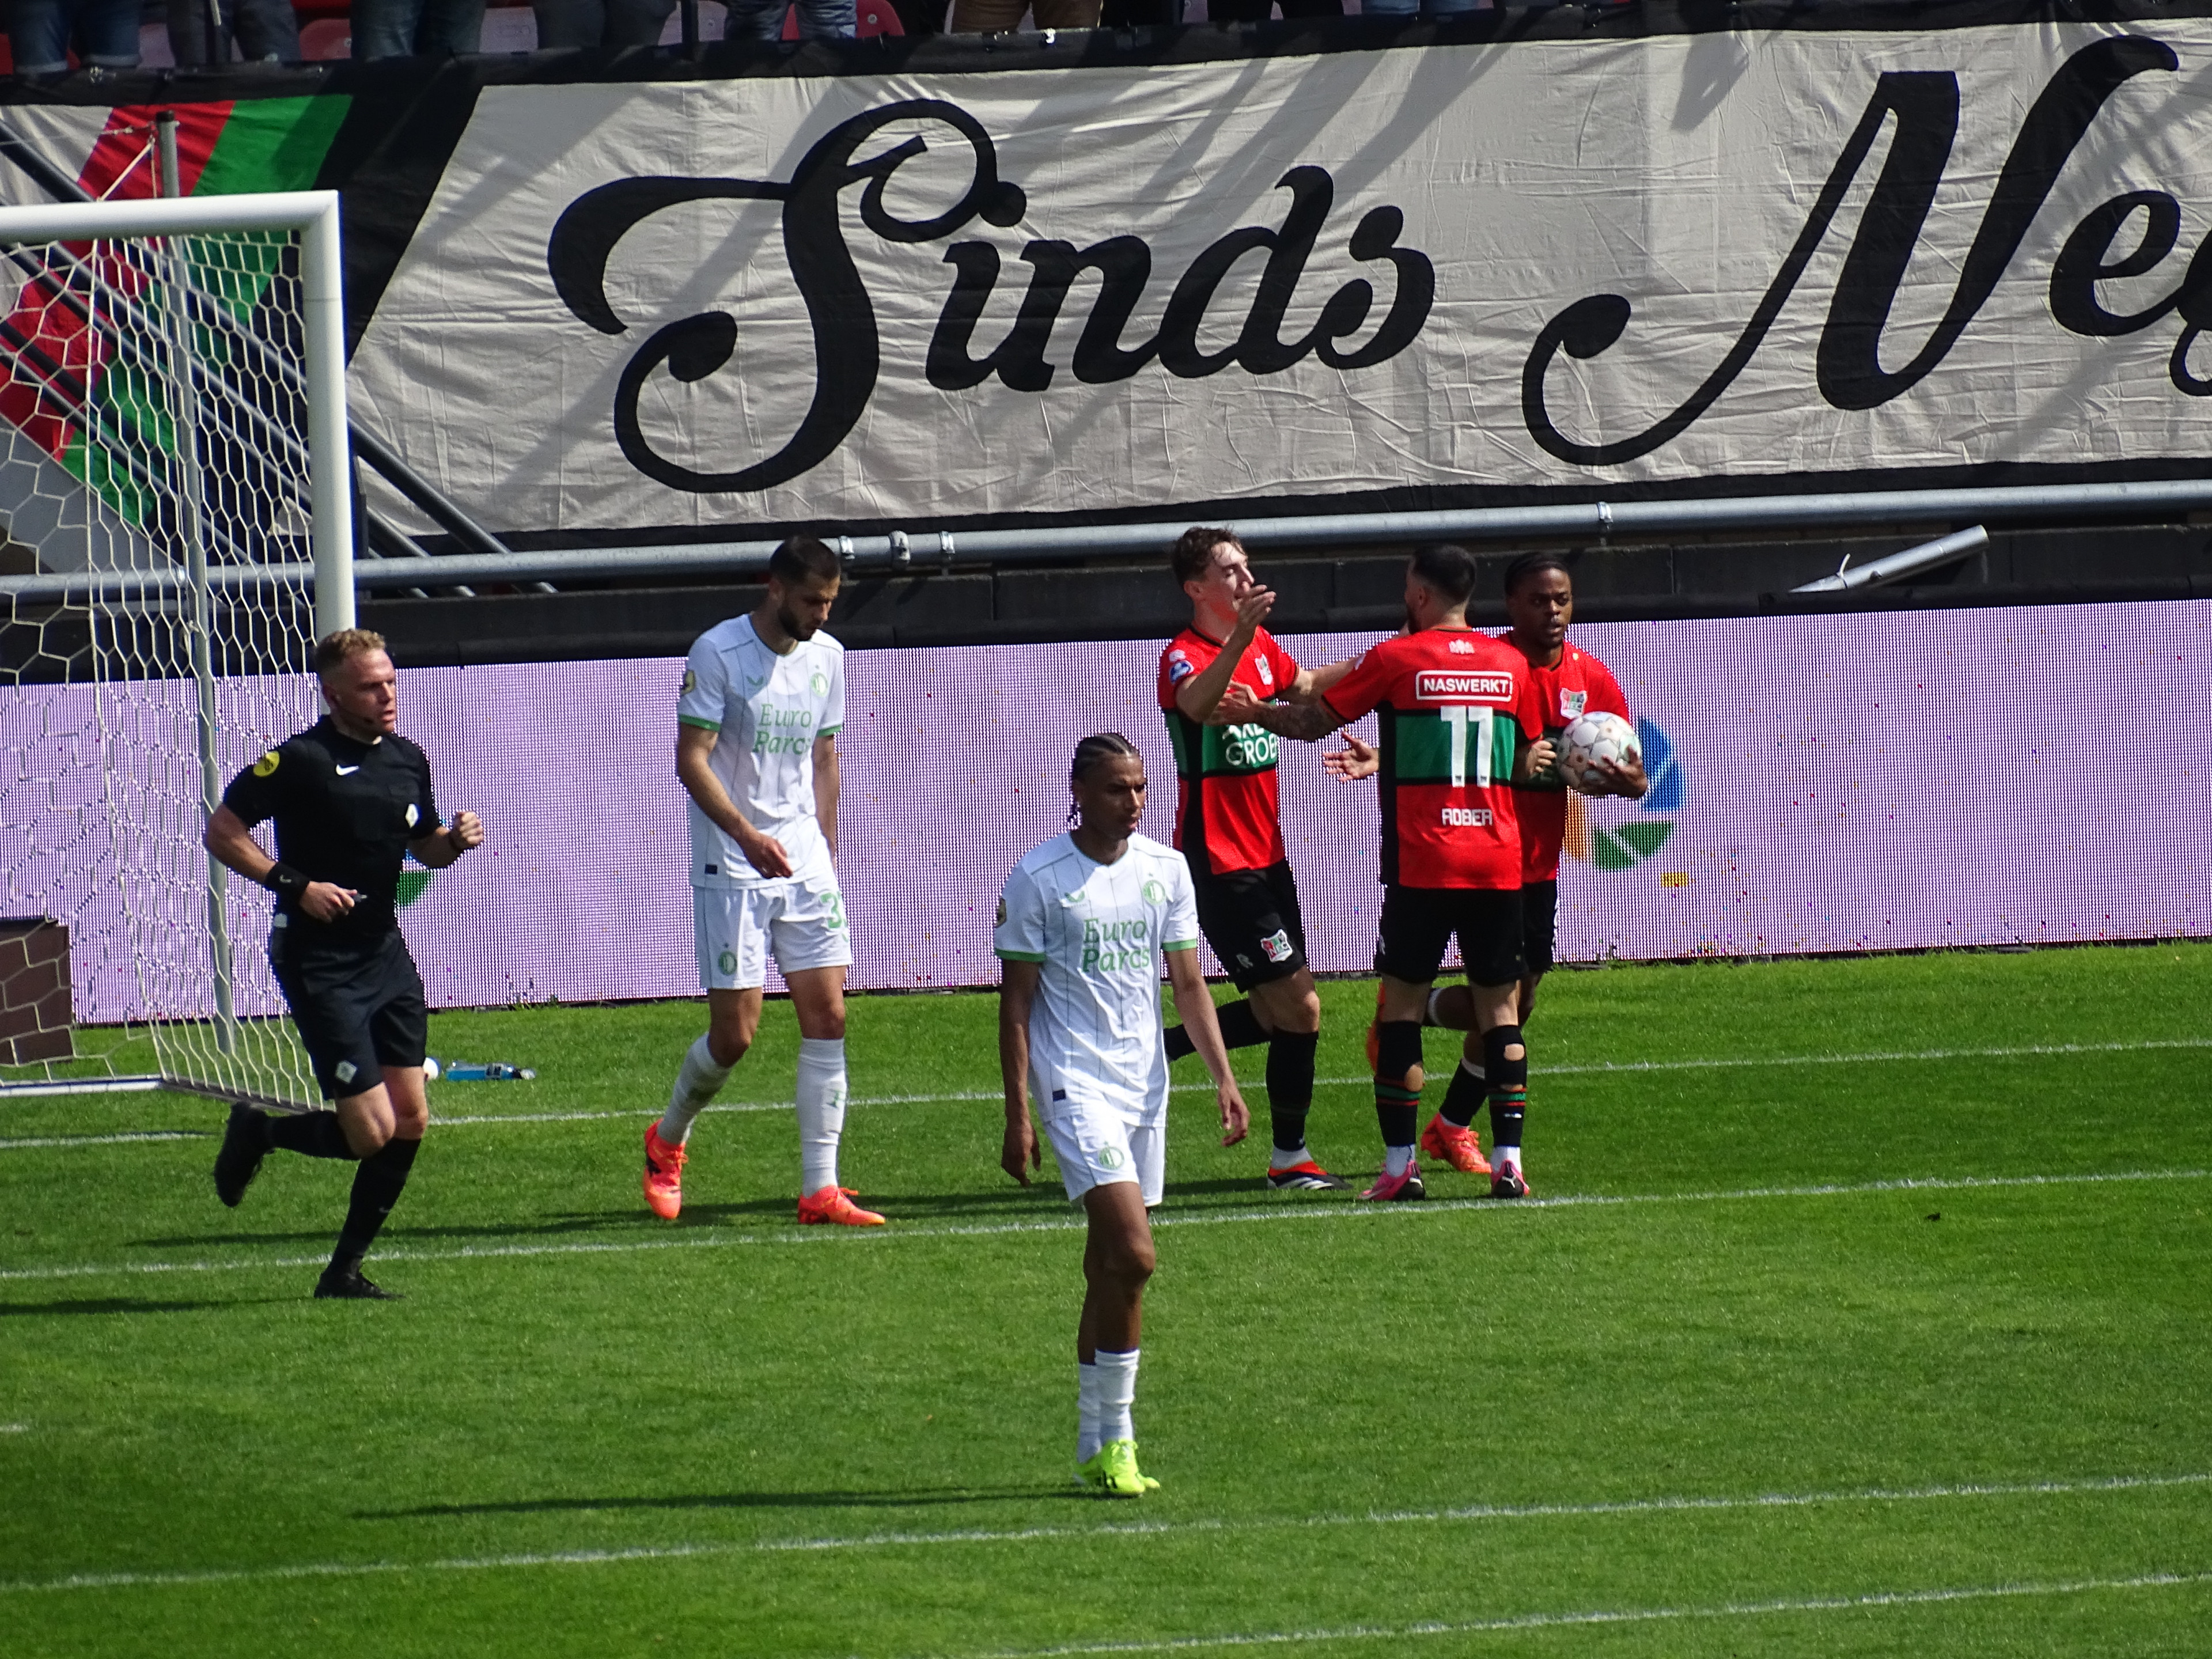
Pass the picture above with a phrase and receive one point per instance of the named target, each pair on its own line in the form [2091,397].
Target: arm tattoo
[1304,721]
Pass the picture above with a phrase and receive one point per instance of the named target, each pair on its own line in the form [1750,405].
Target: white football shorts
[1099,1141]
[801,923]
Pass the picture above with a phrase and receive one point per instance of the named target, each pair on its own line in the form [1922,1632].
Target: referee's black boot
[348,1283]
[245,1144]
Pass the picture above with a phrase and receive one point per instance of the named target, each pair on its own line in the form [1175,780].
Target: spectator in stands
[202,30]
[1429,10]
[1258,11]
[42,32]
[415,28]
[818,20]
[600,23]
[999,16]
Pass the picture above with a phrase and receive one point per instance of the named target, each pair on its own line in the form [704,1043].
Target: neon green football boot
[1113,1472]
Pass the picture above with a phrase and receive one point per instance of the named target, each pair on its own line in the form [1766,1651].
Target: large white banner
[1453,273]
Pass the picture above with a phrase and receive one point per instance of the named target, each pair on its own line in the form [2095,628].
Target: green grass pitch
[1727,1387]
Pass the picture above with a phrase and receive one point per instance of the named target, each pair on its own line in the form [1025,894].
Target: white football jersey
[767,711]
[1098,930]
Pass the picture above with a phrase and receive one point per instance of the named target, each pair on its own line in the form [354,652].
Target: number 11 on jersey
[1464,723]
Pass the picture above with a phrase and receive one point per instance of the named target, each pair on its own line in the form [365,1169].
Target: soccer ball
[1594,738]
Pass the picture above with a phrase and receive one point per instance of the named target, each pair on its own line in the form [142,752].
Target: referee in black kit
[351,796]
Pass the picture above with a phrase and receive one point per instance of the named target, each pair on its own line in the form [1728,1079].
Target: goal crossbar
[314,214]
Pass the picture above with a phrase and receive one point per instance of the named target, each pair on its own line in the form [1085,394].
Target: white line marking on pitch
[1616,1616]
[723,1239]
[1111,1530]
[1600,1068]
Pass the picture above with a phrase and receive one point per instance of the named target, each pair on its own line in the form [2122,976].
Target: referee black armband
[284,881]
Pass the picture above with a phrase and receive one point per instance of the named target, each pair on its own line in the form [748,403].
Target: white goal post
[177,493]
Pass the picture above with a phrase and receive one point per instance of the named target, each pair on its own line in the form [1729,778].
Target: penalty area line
[722,1239]
[1136,1529]
[1872,1601]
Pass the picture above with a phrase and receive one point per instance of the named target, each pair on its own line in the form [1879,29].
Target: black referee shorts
[359,1008]
[1540,924]
[1250,918]
[1419,925]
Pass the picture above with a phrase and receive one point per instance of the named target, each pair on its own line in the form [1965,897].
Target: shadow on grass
[1044,1200]
[636,1220]
[922,1497]
[126,1305]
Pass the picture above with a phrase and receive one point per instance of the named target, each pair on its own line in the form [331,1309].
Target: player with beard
[1460,723]
[1540,603]
[762,702]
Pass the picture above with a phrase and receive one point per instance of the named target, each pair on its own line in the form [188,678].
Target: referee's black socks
[1290,1086]
[313,1134]
[376,1187]
[1240,1028]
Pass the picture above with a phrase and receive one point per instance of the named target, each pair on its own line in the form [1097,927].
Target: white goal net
[178,532]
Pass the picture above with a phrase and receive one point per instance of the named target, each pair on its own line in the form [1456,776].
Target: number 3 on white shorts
[833,902]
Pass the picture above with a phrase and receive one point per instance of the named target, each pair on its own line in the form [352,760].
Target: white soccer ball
[430,1069]
[1594,738]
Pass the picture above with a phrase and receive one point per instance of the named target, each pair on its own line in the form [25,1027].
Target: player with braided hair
[1082,924]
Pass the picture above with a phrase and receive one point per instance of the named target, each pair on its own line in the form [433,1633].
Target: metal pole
[329,458]
[165,153]
[1896,566]
[689,10]
[192,517]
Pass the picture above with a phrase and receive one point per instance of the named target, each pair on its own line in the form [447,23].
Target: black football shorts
[358,1009]
[1250,918]
[1540,924]
[1419,925]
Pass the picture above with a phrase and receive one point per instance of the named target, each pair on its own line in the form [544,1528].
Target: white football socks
[821,1110]
[1087,1437]
[1279,1159]
[1117,1390]
[1396,1160]
[697,1079]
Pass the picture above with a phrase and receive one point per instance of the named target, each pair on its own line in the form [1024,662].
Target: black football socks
[1509,1086]
[312,1134]
[1289,1086]
[1397,1101]
[1469,1087]
[1240,1028]
[376,1187]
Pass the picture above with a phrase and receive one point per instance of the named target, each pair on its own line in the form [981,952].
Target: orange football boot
[1454,1146]
[663,1175]
[835,1204]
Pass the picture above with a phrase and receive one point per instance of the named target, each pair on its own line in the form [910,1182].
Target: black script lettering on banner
[1926,106]
[846,356]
